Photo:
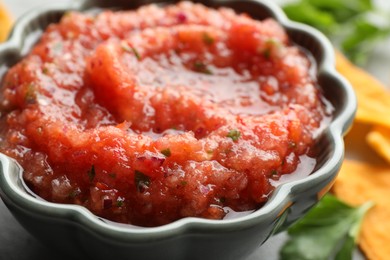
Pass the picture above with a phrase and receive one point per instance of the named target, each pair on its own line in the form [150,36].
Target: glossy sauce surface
[190,112]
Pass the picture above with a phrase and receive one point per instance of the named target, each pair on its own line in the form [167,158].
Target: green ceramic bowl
[76,231]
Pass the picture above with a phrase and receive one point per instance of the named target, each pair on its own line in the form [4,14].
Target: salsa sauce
[152,115]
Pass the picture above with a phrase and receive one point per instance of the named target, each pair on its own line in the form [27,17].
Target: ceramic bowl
[76,231]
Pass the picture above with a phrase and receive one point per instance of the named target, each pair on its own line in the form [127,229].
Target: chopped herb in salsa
[132,49]
[234,134]
[201,67]
[166,152]
[142,181]
[207,39]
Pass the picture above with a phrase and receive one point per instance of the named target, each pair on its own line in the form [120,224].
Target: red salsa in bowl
[160,113]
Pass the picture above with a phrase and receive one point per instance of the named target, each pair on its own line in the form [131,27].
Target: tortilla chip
[358,183]
[357,148]
[373,97]
[379,139]
[5,23]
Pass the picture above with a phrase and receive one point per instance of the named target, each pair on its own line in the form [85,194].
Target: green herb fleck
[210,154]
[91,173]
[270,44]
[207,39]
[136,53]
[202,68]
[328,231]
[142,181]
[166,152]
[274,172]
[234,134]
[45,70]
[128,48]
[222,200]
[120,202]
[30,96]
[74,193]
[112,175]
[267,53]
[183,183]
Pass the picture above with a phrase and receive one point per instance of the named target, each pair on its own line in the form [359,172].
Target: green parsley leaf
[362,38]
[142,181]
[234,134]
[328,231]
[348,23]
[91,173]
[306,13]
[166,152]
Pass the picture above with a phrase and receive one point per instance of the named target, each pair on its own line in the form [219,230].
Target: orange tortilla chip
[379,140]
[373,98]
[373,105]
[5,23]
[358,183]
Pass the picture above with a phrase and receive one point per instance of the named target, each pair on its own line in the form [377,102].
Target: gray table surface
[17,244]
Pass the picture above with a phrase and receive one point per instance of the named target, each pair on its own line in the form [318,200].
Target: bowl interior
[30,29]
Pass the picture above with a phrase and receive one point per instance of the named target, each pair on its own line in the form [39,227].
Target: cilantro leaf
[329,230]
[362,38]
[342,10]
[354,26]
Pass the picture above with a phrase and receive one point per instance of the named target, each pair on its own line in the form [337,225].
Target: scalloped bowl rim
[281,196]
